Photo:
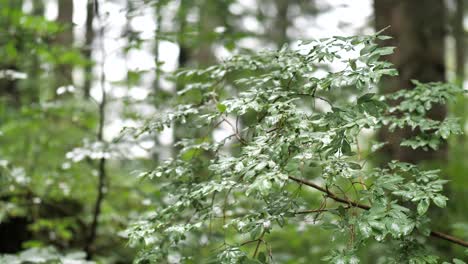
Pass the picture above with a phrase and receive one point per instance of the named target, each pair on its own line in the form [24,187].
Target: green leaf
[423,206]
[385,51]
[458,261]
[262,257]
[221,107]
[440,200]
[368,49]
[382,37]
[352,63]
[354,166]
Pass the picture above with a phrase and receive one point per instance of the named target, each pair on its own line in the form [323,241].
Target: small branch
[260,240]
[235,130]
[311,211]
[248,242]
[290,79]
[333,196]
[329,193]
[449,238]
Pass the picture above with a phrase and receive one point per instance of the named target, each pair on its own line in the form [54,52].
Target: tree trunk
[63,73]
[34,79]
[281,23]
[87,52]
[459,35]
[9,86]
[418,31]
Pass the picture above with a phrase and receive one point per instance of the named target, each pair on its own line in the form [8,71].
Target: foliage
[48,150]
[44,255]
[272,159]
[285,135]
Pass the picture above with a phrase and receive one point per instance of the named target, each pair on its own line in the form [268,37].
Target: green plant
[288,139]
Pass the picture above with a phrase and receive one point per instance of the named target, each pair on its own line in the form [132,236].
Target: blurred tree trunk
[460,43]
[210,14]
[9,86]
[34,79]
[182,61]
[89,38]
[157,77]
[201,53]
[281,23]
[63,72]
[418,31]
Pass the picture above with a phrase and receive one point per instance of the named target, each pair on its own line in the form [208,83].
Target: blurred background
[74,73]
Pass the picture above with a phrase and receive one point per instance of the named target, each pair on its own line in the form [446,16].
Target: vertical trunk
[157,76]
[35,70]
[209,17]
[281,23]
[418,31]
[9,86]
[459,35]
[182,60]
[87,52]
[202,54]
[63,73]
[101,167]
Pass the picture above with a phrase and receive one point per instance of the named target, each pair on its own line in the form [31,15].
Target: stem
[333,196]
[260,240]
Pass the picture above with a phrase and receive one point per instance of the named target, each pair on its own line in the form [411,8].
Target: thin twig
[235,130]
[311,211]
[260,240]
[100,137]
[248,242]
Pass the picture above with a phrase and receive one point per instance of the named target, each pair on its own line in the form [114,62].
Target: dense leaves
[265,157]
[286,132]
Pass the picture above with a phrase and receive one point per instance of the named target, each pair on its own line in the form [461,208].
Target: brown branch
[449,238]
[260,240]
[329,193]
[248,242]
[333,196]
[311,211]
[235,130]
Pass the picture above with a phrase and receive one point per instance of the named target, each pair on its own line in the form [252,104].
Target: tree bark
[418,31]
[460,43]
[281,23]
[418,28]
[63,72]
[87,52]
